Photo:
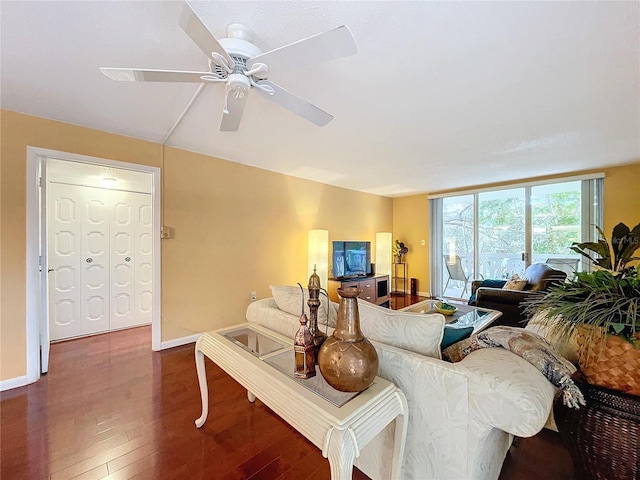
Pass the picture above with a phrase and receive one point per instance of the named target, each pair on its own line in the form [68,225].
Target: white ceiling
[440,95]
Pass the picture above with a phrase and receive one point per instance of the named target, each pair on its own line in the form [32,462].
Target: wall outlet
[253,296]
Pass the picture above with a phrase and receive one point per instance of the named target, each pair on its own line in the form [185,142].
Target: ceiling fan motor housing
[238,44]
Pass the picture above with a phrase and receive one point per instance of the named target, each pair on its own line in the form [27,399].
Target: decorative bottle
[347,360]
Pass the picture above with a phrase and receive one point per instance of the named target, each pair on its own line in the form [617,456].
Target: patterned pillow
[515,283]
[289,300]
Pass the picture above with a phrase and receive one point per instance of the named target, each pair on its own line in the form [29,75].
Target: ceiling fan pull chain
[225,110]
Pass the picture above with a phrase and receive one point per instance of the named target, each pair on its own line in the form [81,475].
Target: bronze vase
[347,360]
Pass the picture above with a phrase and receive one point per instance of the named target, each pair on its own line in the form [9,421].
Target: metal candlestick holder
[314,304]
[303,348]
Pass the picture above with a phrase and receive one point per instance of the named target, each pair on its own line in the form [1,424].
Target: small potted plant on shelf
[601,309]
[399,249]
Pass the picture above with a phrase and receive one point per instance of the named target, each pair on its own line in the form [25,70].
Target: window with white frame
[495,233]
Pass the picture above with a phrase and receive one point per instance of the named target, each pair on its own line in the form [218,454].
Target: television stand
[375,289]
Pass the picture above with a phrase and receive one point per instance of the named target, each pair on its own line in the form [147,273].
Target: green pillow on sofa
[453,334]
[491,283]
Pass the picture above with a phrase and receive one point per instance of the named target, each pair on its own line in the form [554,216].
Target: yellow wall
[236,228]
[411,214]
[411,226]
[240,229]
[621,196]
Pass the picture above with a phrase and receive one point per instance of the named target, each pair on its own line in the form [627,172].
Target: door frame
[36,283]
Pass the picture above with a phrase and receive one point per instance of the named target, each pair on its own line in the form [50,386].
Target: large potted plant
[602,310]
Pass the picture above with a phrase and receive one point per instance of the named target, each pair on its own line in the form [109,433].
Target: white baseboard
[13,383]
[178,342]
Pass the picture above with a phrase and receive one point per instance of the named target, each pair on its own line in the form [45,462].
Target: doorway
[112,193]
[99,250]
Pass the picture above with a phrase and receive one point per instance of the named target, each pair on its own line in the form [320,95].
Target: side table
[399,275]
[603,437]
[247,352]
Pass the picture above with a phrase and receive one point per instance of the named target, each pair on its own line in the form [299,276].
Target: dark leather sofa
[539,277]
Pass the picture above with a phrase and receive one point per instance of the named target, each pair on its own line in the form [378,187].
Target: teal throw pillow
[453,335]
[486,283]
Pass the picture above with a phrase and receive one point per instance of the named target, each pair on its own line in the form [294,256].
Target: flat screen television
[351,259]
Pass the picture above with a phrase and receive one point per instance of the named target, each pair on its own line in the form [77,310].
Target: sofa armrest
[452,406]
[266,313]
[499,295]
[436,442]
[507,392]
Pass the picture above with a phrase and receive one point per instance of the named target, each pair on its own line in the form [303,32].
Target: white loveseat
[462,416]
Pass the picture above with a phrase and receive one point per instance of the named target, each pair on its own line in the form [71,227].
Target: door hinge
[39,181]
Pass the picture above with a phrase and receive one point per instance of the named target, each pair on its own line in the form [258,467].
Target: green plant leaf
[617,327]
[618,236]
[630,244]
[601,247]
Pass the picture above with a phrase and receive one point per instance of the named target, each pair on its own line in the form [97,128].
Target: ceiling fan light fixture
[238,82]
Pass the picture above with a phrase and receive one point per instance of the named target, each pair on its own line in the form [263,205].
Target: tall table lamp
[318,275]
[383,253]
[318,255]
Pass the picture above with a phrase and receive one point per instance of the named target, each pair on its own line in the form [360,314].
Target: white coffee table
[255,357]
[466,315]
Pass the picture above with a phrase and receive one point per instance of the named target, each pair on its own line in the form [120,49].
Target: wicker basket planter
[603,437]
[610,362]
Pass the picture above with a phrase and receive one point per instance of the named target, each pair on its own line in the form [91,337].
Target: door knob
[50,270]
[89,260]
[127,259]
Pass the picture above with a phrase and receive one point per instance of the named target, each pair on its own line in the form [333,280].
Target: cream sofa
[462,416]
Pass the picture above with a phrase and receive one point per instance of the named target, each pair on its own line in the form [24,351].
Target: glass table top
[280,356]
[255,342]
[465,316]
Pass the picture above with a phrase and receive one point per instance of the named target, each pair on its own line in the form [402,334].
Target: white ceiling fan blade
[291,102]
[200,34]
[325,46]
[140,75]
[233,108]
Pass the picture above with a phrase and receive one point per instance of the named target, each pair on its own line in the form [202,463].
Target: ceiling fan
[242,66]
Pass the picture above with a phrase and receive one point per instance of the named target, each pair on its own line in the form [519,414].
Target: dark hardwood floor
[398,301]
[111,408]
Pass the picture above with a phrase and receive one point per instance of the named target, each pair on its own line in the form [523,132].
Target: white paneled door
[99,244]
[130,259]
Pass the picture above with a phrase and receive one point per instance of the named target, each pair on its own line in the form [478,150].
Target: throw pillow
[289,299]
[515,283]
[491,283]
[453,334]
[417,332]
